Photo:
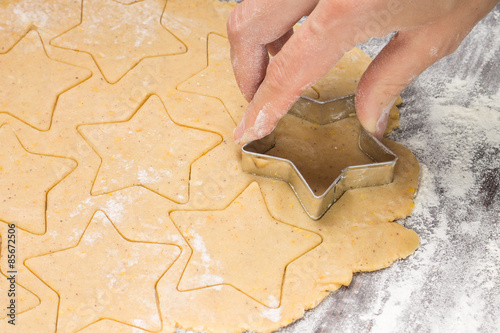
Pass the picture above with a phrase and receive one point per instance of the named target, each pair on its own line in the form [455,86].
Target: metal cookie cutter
[380,172]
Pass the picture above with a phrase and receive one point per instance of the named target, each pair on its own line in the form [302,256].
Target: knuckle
[236,25]
[342,7]
[277,74]
[445,7]
[387,88]
[323,19]
[329,17]
[446,45]
[317,26]
[450,47]
[392,88]
[348,7]
[240,23]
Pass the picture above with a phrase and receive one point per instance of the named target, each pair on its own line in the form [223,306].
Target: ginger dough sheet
[123,186]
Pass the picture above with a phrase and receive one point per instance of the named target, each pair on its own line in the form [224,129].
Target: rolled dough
[140,217]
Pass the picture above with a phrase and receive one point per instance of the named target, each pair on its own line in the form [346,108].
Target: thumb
[406,56]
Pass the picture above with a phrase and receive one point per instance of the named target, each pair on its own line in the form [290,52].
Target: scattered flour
[152,176]
[207,278]
[139,323]
[451,121]
[261,125]
[274,313]
[312,320]
[81,207]
[115,206]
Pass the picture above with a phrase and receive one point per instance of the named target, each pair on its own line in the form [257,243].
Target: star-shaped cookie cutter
[380,172]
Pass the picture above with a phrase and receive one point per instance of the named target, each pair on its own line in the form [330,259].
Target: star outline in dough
[146,100]
[211,63]
[115,229]
[85,77]
[47,191]
[268,213]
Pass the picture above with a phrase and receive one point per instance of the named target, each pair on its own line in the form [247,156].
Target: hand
[427,31]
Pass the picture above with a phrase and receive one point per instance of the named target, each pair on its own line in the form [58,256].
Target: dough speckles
[243,245]
[119,36]
[143,213]
[27,93]
[157,157]
[104,284]
[25,180]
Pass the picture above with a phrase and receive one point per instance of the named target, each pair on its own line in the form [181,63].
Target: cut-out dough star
[106,276]
[119,36]
[149,150]
[25,179]
[31,81]
[250,249]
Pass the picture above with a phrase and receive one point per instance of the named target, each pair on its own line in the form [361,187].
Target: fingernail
[382,120]
[382,124]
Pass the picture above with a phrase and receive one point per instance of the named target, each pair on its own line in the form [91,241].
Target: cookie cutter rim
[380,172]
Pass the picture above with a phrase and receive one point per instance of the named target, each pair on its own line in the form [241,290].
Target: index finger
[251,26]
[307,56]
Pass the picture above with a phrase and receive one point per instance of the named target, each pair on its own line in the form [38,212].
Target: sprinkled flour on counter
[450,120]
